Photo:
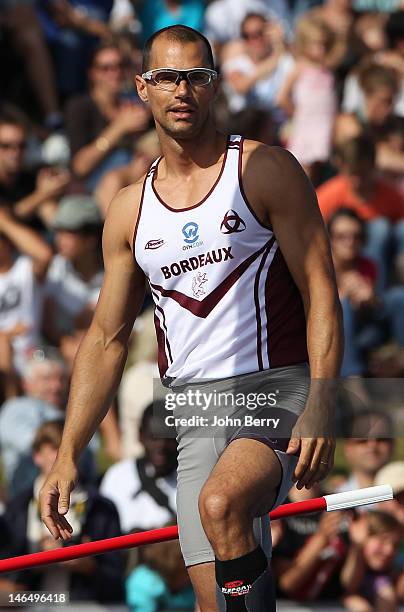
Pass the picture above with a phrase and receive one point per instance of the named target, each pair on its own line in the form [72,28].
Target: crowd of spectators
[323,78]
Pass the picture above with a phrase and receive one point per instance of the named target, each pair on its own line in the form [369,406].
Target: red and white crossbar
[327,503]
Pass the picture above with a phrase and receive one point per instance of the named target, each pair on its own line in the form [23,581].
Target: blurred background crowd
[324,79]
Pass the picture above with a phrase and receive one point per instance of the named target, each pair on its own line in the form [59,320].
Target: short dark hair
[345,211]
[177,33]
[373,76]
[10,120]
[49,432]
[357,424]
[103,46]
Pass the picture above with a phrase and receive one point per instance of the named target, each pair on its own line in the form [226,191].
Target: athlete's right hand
[54,499]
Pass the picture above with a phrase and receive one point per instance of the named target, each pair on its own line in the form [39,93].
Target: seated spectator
[92,517]
[31,196]
[144,490]
[45,384]
[147,149]
[368,447]
[312,116]
[100,124]
[24,259]
[254,68]
[370,319]
[368,574]
[389,56]
[309,552]
[393,140]
[157,14]
[44,399]
[370,95]
[160,580]
[357,186]
[136,388]
[223,18]
[75,274]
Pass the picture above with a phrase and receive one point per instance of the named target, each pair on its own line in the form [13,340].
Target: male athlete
[229,236]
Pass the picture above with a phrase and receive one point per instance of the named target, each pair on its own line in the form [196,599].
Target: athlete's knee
[221,508]
[215,506]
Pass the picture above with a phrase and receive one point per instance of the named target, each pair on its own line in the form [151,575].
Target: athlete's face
[183,112]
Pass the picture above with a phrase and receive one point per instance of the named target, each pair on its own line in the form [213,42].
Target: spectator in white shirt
[144,490]
[24,259]
[75,275]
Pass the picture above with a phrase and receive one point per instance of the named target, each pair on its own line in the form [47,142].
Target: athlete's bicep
[298,225]
[123,288]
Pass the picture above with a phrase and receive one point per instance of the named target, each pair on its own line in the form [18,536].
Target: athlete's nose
[183,87]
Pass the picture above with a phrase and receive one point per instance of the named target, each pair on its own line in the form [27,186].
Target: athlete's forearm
[97,371]
[325,342]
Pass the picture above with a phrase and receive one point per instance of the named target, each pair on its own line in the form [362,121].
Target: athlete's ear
[216,84]
[141,88]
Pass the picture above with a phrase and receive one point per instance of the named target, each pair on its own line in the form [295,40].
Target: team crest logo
[232,223]
[197,284]
[154,244]
[190,232]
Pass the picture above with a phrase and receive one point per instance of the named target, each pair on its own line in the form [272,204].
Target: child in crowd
[308,93]
[160,581]
[368,574]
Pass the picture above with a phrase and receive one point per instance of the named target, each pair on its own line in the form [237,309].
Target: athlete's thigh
[250,473]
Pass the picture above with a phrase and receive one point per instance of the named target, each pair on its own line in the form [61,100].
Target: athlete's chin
[183,129]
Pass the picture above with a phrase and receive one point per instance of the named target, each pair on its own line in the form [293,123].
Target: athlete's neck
[181,157]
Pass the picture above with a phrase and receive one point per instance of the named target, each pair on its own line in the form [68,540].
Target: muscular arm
[100,360]
[284,198]
[102,354]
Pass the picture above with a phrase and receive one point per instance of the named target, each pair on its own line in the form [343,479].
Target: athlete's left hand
[316,453]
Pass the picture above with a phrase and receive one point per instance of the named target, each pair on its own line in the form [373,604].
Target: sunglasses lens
[165,78]
[199,78]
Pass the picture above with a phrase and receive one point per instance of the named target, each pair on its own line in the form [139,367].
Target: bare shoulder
[268,156]
[271,170]
[123,212]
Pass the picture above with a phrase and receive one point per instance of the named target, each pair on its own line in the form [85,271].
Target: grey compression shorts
[197,454]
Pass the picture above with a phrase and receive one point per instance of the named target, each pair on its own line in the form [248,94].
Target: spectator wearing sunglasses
[370,317]
[254,68]
[100,124]
[32,196]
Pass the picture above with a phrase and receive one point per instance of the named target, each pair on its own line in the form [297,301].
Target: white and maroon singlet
[225,301]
